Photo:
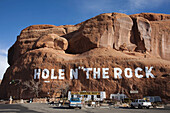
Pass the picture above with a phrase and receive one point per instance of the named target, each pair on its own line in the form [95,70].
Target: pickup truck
[75,102]
[140,103]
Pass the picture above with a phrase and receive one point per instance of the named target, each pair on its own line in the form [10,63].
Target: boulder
[60,43]
[46,41]
[52,41]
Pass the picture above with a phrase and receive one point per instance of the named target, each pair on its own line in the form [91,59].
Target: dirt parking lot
[46,108]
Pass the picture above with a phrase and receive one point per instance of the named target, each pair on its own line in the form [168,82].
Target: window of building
[98,96]
[78,96]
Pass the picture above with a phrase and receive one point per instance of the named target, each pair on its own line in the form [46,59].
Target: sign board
[85,93]
[134,91]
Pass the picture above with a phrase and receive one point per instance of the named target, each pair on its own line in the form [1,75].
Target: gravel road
[46,108]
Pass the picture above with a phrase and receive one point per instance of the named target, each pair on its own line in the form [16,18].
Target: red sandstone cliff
[97,43]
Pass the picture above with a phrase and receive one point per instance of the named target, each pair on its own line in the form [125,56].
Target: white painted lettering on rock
[95,73]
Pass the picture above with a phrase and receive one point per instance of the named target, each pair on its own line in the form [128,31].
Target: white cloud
[94,7]
[3,62]
[122,11]
[4,51]
[143,4]
[98,4]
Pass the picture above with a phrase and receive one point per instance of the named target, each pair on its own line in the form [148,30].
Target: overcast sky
[16,15]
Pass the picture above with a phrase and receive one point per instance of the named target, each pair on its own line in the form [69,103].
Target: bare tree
[59,87]
[33,86]
[64,89]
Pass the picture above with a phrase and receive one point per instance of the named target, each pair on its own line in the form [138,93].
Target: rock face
[28,38]
[152,16]
[160,34]
[106,41]
[141,34]
[109,30]
[156,40]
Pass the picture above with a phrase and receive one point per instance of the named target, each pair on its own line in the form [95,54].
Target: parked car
[75,102]
[140,103]
[155,100]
